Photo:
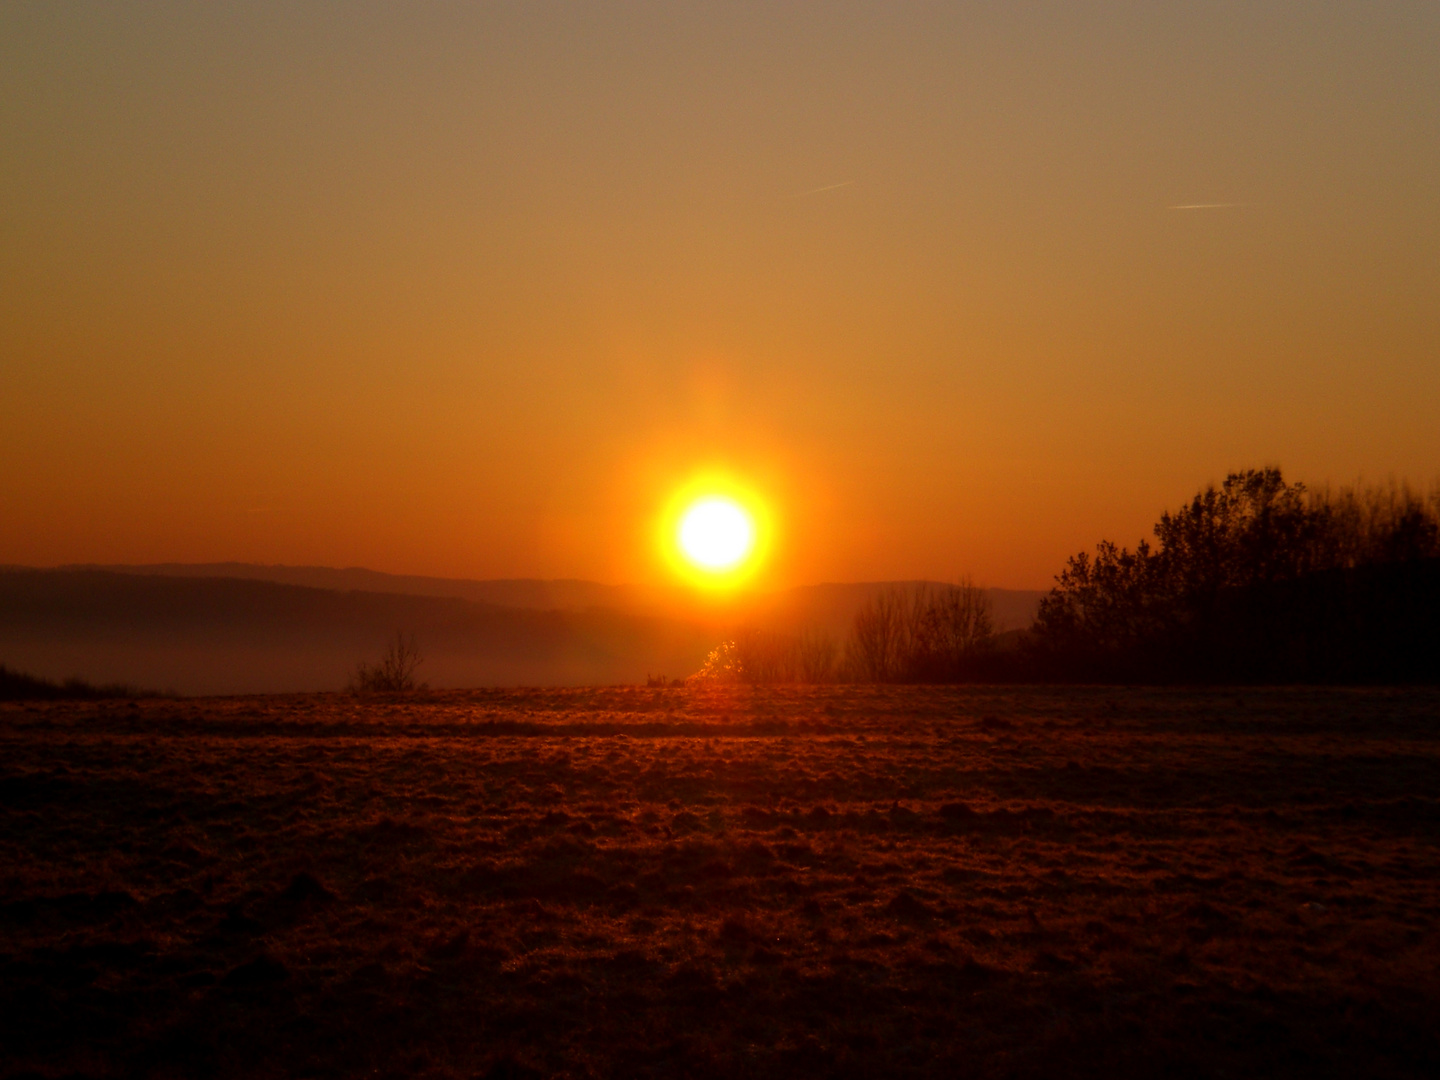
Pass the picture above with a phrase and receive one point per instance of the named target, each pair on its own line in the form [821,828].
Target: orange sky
[471,289]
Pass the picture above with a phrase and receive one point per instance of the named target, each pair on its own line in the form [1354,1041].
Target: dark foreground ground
[894,882]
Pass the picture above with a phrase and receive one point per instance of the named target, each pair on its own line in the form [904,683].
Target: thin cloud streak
[1210,206]
[827,187]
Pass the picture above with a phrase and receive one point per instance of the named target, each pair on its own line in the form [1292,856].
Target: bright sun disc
[716,534]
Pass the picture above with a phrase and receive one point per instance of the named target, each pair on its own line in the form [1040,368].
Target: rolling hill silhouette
[829,606]
[236,628]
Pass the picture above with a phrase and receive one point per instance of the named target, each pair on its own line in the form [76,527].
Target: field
[724,882]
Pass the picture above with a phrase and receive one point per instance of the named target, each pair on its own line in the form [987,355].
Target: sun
[716,534]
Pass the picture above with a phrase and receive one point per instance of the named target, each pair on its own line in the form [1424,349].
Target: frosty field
[724,881]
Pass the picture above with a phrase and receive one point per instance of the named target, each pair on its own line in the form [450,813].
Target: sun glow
[715,533]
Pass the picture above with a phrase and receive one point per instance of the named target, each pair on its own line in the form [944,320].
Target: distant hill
[560,594]
[234,627]
[831,606]
[230,635]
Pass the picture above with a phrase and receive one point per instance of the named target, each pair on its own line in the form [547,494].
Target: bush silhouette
[395,673]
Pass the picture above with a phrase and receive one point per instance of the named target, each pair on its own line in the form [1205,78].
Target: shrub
[763,657]
[395,673]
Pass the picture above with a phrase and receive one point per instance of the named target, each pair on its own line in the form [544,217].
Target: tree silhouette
[1255,576]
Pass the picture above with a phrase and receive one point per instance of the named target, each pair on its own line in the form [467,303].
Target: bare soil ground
[724,882]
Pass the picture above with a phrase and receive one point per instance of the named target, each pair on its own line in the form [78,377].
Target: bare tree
[950,625]
[924,632]
[765,656]
[395,673]
[816,657]
[879,641]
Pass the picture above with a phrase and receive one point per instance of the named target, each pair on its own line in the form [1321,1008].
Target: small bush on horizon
[395,673]
[721,666]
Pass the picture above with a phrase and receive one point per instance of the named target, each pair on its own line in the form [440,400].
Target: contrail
[1210,206]
[827,187]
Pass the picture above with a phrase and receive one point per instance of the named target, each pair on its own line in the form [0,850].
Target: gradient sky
[471,289]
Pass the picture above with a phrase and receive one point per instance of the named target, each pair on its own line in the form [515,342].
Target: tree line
[1256,580]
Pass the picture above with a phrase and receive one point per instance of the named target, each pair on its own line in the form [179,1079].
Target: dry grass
[724,881]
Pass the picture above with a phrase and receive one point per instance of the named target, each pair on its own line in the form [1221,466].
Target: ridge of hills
[549,594]
[829,605]
[241,628]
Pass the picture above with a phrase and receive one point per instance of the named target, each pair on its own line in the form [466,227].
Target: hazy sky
[471,289]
